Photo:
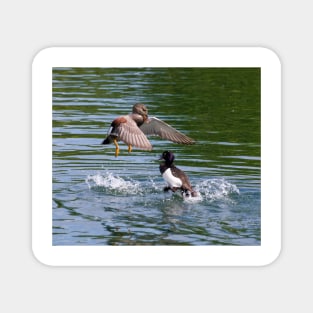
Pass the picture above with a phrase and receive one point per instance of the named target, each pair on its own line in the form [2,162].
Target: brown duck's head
[140,109]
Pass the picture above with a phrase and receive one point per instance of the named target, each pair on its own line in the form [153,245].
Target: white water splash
[190,199]
[111,182]
[209,189]
[214,189]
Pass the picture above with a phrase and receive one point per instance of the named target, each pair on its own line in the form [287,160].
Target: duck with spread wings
[133,128]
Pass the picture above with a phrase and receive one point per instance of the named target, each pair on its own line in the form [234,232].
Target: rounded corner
[42,54]
[39,259]
[272,54]
[273,258]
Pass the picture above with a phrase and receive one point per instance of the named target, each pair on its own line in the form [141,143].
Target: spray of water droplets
[209,189]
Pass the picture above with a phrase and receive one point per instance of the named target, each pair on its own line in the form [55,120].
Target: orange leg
[130,148]
[117,149]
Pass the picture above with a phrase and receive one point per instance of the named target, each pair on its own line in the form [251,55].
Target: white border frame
[270,246]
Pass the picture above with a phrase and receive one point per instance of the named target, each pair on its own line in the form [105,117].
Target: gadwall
[133,128]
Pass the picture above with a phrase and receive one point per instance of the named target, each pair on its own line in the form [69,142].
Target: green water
[102,200]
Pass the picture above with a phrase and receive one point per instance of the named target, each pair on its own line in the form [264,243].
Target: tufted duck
[175,177]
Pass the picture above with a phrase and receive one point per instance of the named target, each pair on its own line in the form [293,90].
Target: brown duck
[133,128]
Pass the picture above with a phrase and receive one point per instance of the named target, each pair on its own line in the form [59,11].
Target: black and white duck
[175,178]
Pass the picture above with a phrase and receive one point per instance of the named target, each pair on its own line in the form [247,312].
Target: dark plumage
[175,177]
[133,128]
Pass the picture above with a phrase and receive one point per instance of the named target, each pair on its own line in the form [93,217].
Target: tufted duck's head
[168,157]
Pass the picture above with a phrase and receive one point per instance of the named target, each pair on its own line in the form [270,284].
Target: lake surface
[99,199]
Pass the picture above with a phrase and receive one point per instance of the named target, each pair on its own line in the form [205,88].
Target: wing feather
[129,133]
[154,126]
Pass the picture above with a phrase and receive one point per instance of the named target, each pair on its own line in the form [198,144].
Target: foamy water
[110,182]
[208,189]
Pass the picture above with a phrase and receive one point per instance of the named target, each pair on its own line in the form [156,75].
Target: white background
[270,66]
[29,26]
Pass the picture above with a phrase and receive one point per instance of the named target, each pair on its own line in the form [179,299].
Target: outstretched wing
[129,132]
[154,126]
